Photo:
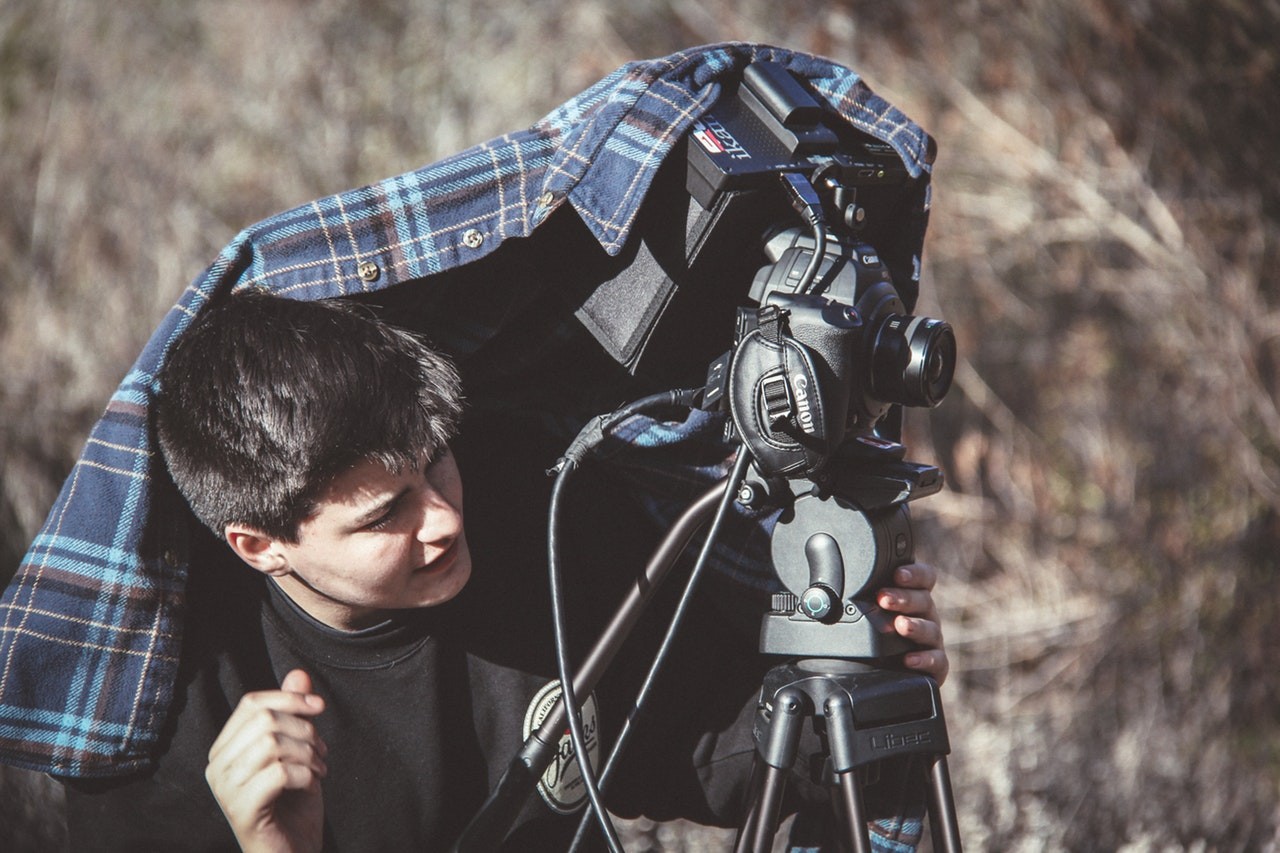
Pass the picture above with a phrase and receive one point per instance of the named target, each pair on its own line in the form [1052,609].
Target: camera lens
[913,360]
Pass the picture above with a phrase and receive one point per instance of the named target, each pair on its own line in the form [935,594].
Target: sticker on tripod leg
[561,785]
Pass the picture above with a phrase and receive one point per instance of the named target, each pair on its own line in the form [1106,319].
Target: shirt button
[368,271]
[546,198]
[472,239]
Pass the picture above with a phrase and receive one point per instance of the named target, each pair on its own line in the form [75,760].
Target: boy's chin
[445,585]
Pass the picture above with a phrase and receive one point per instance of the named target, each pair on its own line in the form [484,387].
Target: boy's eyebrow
[379,509]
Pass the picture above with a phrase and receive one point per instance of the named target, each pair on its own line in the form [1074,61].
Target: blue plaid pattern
[91,624]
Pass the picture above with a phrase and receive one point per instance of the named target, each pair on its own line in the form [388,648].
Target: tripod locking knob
[818,602]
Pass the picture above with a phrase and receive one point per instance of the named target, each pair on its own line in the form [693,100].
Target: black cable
[593,433]
[567,694]
[810,277]
[586,441]
[806,202]
[686,600]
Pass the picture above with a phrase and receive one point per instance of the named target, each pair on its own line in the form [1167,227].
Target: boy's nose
[439,520]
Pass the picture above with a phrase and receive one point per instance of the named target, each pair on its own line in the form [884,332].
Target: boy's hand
[917,619]
[265,769]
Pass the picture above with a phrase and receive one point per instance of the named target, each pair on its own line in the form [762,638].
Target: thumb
[296,681]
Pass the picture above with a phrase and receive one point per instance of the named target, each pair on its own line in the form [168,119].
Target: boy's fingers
[264,712]
[916,576]
[288,752]
[249,793]
[296,681]
[923,631]
[278,757]
[933,662]
[913,602]
[262,709]
[239,769]
[249,747]
[281,701]
[264,786]
[917,621]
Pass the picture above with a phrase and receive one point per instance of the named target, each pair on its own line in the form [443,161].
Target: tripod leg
[756,834]
[853,812]
[944,828]
[840,724]
[774,758]
[750,822]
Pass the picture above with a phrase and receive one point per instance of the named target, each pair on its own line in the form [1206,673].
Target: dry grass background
[1105,238]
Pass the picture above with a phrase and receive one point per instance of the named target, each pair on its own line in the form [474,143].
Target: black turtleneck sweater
[417,727]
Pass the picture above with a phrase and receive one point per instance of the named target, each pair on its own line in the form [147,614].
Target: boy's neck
[325,610]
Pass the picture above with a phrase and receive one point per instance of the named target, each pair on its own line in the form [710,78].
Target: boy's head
[265,400]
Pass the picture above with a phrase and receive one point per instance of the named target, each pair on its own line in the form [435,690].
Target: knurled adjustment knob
[784,602]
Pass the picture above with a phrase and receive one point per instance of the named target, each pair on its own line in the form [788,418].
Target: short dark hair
[265,399]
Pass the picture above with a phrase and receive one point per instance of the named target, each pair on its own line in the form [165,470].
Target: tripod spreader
[864,715]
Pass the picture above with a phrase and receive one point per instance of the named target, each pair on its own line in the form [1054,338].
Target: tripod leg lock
[867,714]
[778,728]
[838,710]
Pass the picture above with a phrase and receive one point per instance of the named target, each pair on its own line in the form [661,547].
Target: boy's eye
[380,522]
[384,520]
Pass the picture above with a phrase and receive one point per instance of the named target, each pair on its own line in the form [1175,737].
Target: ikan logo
[716,139]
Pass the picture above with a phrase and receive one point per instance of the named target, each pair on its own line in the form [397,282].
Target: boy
[347,679]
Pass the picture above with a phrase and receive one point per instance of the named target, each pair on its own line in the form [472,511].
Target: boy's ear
[256,548]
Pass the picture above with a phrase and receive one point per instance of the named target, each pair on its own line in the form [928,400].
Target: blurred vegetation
[1105,238]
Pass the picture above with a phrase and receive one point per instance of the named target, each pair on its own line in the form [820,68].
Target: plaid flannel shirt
[91,624]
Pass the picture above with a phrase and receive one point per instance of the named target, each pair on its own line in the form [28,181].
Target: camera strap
[775,399]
